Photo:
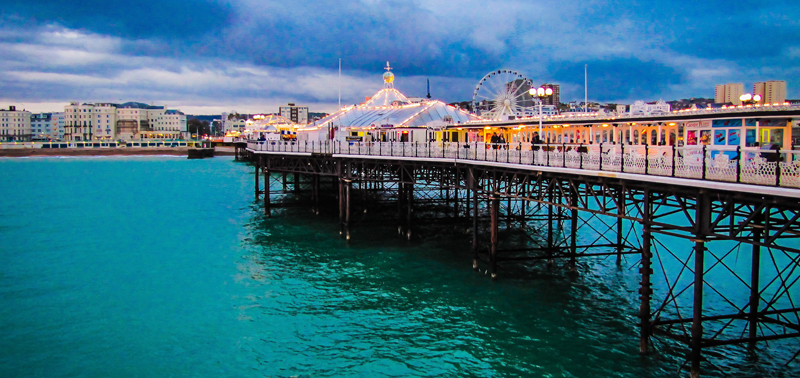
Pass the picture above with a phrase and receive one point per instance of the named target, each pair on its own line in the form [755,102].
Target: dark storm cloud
[129,19]
[263,50]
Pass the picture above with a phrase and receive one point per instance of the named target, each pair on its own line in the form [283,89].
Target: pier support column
[285,183]
[621,210]
[267,209]
[473,187]
[410,211]
[347,189]
[754,281]
[702,227]
[697,310]
[258,168]
[401,193]
[495,215]
[341,206]
[457,182]
[296,183]
[315,193]
[646,270]
[550,230]
[573,239]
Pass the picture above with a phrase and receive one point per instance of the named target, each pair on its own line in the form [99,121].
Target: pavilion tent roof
[410,115]
[386,97]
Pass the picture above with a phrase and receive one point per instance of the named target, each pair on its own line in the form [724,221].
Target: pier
[663,203]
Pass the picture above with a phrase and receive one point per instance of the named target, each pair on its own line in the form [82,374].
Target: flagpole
[585,88]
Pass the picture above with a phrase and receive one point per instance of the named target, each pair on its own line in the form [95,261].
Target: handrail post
[580,155]
[704,162]
[564,154]
[601,157]
[674,159]
[622,158]
[738,163]
[547,153]
[646,159]
[778,167]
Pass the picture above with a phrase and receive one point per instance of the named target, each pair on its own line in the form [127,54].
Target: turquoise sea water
[162,266]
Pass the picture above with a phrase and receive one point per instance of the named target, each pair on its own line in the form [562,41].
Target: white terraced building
[15,125]
[128,121]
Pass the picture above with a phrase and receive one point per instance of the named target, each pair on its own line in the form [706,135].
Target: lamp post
[537,94]
[748,99]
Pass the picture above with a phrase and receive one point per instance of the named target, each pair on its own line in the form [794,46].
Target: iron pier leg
[697,311]
[573,250]
[703,225]
[550,230]
[455,192]
[341,206]
[621,210]
[410,205]
[495,214]
[347,188]
[646,270]
[754,284]
[258,168]
[284,182]
[509,213]
[316,194]
[267,209]
[401,192]
[474,188]
[296,183]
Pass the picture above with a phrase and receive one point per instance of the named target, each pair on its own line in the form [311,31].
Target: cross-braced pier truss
[718,263]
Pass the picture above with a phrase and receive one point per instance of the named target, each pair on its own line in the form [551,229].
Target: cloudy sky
[205,57]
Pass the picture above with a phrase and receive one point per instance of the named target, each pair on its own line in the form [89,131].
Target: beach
[117,151]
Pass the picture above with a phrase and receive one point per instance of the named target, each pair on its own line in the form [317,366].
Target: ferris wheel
[503,93]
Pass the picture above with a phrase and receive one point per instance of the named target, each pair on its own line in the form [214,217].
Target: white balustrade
[749,165]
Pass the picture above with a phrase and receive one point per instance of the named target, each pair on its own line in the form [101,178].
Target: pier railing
[749,165]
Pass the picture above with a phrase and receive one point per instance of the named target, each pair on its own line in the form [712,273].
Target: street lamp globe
[540,92]
[745,97]
[757,98]
[532,92]
[548,91]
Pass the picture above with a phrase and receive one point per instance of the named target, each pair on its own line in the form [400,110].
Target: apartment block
[728,93]
[771,92]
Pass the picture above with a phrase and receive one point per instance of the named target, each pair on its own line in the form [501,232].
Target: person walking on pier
[535,141]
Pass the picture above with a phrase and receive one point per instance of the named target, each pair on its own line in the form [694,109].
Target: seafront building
[41,127]
[555,98]
[128,121]
[728,93]
[771,92]
[296,114]
[15,125]
[642,108]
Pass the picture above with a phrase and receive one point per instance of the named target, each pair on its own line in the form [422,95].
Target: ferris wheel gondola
[503,94]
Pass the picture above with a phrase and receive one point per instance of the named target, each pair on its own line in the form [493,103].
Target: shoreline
[118,151]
